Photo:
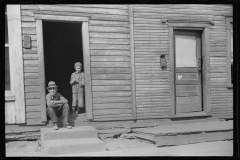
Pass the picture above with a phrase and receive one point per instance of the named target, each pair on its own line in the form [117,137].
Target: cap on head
[52,84]
[77,64]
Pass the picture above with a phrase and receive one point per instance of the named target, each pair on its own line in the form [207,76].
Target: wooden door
[188,96]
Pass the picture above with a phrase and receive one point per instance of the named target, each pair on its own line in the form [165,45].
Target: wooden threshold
[197,114]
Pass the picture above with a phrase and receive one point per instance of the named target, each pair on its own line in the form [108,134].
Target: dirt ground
[30,148]
[129,147]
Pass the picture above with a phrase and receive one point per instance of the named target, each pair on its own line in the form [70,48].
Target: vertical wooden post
[134,114]
[206,72]
[87,71]
[171,70]
[41,70]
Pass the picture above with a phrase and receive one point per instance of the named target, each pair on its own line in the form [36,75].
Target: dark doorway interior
[62,48]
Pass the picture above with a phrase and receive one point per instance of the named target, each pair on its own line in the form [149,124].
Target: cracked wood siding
[110,59]
[151,40]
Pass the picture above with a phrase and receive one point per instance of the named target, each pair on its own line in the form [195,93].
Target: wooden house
[140,61]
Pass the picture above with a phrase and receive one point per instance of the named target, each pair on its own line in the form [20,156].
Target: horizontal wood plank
[112,106]
[110,53]
[35,121]
[30,63]
[29,30]
[125,118]
[32,88]
[108,41]
[31,69]
[111,82]
[112,94]
[111,70]
[31,75]
[30,56]
[28,24]
[33,108]
[111,76]
[111,88]
[110,64]
[31,82]
[108,35]
[27,19]
[33,115]
[112,111]
[110,58]
[115,116]
[120,6]
[109,46]
[30,51]
[33,102]
[108,23]
[112,100]
[32,95]
[75,9]
[109,29]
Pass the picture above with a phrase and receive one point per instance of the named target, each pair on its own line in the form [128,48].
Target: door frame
[86,57]
[190,25]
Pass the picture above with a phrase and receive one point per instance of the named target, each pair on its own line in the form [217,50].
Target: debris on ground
[128,136]
[22,136]
[112,133]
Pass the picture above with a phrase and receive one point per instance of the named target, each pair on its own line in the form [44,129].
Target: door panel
[188,71]
[186,94]
[185,108]
[186,100]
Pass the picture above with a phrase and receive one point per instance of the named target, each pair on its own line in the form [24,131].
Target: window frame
[9,94]
[229,20]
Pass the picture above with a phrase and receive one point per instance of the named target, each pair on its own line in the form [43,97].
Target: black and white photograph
[119,80]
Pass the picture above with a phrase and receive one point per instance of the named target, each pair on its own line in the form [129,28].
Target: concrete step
[63,133]
[73,146]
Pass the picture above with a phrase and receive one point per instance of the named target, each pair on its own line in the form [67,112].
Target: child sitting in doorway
[77,82]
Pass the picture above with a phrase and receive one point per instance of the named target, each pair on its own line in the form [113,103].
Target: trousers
[77,98]
[54,113]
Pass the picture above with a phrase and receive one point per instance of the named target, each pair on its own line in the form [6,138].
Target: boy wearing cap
[77,82]
[57,104]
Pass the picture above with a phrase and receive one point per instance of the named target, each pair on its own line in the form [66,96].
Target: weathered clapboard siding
[152,83]
[31,68]
[221,96]
[109,44]
[151,41]
[110,68]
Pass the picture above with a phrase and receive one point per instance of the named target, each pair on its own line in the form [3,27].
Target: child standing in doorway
[77,82]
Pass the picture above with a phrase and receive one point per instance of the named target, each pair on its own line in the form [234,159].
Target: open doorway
[62,48]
